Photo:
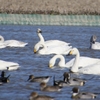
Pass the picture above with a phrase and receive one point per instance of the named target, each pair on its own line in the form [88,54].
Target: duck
[3,78]
[85,65]
[35,96]
[44,50]
[45,87]
[50,43]
[82,95]
[93,44]
[69,81]
[60,83]
[73,81]
[11,43]
[40,79]
[7,65]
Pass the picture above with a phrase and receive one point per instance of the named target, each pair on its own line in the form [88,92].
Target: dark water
[18,88]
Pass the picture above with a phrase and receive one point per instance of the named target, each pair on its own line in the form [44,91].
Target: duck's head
[43,85]
[33,95]
[75,90]
[30,77]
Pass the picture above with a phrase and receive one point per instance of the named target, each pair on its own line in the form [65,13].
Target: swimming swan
[89,65]
[93,44]
[52,49]
[49,42]
[12,43]
[81,64]
[5,65]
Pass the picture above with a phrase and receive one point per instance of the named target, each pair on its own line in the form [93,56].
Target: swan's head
[39,30]
[1,39]
[93,39]
[37,47]
[51,63]
[73,51]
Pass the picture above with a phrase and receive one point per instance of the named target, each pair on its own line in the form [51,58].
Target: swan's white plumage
[52,49]
[89,65]
[5,65]
[51,46]
[79,64]
[11,43]
[82,63]
[49,42]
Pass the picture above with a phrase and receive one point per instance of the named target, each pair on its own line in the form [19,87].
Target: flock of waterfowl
[79,64]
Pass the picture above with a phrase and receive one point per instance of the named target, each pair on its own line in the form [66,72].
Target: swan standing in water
[11,43]
[52,49]
[79,64]
[48,43]
[5,65]
[93,44]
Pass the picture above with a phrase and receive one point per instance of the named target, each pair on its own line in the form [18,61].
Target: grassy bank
[50,6]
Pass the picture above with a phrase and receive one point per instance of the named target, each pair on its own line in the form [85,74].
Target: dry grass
[50,6]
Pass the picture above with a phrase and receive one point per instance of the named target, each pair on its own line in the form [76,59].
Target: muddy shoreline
[67,7]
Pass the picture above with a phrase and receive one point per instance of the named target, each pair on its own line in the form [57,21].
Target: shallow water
[19,88]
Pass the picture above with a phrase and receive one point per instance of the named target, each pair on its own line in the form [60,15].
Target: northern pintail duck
[3,78]
[73,81]
[69,81]
[82,95]
[45,87]
[32,78]
[35,96]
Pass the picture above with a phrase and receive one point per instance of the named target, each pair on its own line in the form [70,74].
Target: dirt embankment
[50,6]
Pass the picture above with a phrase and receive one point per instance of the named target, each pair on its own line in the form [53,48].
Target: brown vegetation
[50,6]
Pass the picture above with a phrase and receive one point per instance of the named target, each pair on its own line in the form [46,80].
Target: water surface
[18,88]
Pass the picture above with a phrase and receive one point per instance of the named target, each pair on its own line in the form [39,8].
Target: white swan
[5,65]
[49,42]
[90,65]
[93,44]
[79,64]
[11,43]
[52,49]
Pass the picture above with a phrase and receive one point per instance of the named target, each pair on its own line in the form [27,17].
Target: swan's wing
[86,61]
[5,64]
[2,45]
[95,46]
[58,49]
[55,43]
[15,43]
[91,69]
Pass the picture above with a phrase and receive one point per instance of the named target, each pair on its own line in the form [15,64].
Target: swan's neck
[41,37]
[43,50]
[1,39]
[76,63]
[62,60]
